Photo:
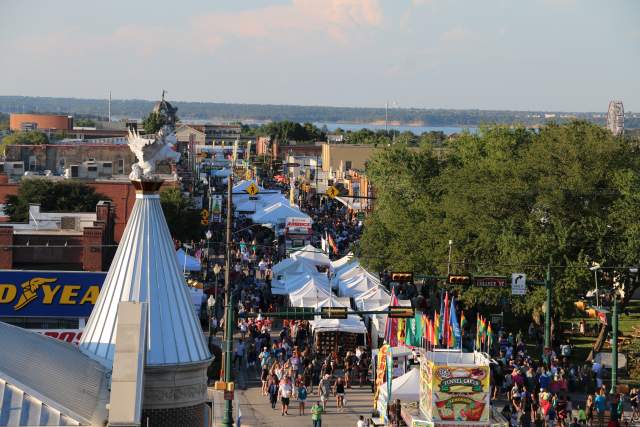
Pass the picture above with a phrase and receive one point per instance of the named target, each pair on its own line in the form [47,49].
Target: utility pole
[227,419]
[547,315]
[449,263]
[614,344]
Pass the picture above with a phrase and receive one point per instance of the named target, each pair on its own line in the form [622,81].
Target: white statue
[148,151]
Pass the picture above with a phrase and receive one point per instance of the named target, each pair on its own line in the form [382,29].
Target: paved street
[259,412]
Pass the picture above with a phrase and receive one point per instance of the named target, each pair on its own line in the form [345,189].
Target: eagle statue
[149,151]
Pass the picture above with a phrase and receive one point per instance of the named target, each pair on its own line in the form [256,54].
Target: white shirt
[360,423]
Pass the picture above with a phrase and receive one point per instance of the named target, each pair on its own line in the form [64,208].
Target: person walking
[273,392]
[302,397]
[316,414]
[339,390]
[324,390]
[286,390]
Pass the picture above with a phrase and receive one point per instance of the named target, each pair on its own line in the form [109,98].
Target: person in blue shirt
[302,397]
[545,379]
[601,405]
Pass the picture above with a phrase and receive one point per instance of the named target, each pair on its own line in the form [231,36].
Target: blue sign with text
[48,293]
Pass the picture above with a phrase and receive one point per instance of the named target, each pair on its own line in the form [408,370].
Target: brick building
[46,122]
[121,193]
[59,241]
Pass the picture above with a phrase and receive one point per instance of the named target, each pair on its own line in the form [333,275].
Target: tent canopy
[345,260]
[187,262]
[405,388]
[351,324]
[313,255]
[277,213]
[357,285]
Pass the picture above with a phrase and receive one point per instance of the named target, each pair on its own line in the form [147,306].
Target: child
[302,397]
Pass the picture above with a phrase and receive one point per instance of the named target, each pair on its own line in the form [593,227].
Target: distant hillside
[136,109]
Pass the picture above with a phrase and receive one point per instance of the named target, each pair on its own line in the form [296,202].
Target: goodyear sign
[49,293]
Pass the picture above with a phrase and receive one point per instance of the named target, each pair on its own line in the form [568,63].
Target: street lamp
[595,267]
[208,235]
[216,270]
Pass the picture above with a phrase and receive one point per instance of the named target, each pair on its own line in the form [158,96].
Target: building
[207,134]
[142,358]
[44,122]
[120,191]
[346,156]
[59,241]
[615,118]
[108,159]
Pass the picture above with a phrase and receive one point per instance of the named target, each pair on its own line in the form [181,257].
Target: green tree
[510,199]
[153,122]
[25,138]
[52,196]
[183,221]
[84,122]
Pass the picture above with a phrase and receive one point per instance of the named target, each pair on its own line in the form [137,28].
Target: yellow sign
[248,174]
[333,192]
[204,217]
[252,189]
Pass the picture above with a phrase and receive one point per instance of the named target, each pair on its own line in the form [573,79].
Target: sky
[560,55]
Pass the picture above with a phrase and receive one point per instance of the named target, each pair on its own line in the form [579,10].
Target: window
[347,165]
[120,166]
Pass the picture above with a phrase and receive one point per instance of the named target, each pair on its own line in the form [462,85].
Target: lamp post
[208,235]
[216,271]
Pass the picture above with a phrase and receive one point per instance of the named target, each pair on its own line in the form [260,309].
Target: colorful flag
[478,331]
[489,337]
[463,323]
[402,323]
[436,329]
[332,243]
[418,332]
[446,321]
[455,337]
[391,326]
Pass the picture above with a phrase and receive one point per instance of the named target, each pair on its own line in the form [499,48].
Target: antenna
[109,106]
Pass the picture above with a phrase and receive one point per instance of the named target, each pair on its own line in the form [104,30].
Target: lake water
[447,130]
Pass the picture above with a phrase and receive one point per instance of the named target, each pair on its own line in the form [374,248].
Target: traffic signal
[333,312]
[455,279]
[402,277]
[401,312]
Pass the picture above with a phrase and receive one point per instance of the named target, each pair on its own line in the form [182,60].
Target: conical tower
[145,269]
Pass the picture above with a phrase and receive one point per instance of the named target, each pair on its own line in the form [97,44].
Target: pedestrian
[600,403]
[339,390]
[589,409]
[302,397]
[285,394]
[265,365]
[239,353]
[316,414]
[324,390]
[360,422]
[273,392]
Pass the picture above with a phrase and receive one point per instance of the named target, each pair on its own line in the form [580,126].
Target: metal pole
[547,315]
[595,275]
[227,419]
[614,345]
[449,263]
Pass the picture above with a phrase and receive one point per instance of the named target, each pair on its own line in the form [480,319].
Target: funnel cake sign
[48,293]
[455,393]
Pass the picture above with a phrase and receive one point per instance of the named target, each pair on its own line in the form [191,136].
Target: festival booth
[275,216]
[405,388]
[357,285]
[454,391]
[312,289]
[291,282]
[339,335]
[339,263]
[312,255]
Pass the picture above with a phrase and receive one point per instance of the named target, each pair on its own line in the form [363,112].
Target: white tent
[295,282]
[244,184]
[357,285]
[311,289]
[187,262]
[351,324]
[405,388]
[276,214]
[313,255]
[332,301]
[282,265]
[345,260]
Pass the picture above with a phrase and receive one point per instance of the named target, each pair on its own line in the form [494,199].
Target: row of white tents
[344,280]
[267,207]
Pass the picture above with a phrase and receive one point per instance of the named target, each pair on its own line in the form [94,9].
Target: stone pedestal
[174,395]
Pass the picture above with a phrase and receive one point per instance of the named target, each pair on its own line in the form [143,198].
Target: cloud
[339,20]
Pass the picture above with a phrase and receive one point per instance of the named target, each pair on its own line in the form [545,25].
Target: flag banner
[456,335]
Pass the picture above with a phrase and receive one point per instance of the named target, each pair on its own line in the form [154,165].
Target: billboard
[298,225]
[48,293]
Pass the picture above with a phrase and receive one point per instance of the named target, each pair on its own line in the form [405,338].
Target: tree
[25,138]
[84,122]
[153,122]
[53,196]
[510,199]
[183,221]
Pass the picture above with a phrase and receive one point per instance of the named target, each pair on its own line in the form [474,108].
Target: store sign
[298,225]
[48,293]
[71,336]
[460,393]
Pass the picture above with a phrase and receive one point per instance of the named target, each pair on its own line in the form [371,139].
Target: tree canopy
[52,196]
[183,221]
[511,200]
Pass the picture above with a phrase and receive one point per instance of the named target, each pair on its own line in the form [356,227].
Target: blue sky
[570,55]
